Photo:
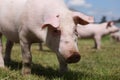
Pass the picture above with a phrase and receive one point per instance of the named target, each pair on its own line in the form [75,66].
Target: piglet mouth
[75,57]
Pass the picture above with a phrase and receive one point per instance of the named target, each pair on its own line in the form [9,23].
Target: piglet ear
[51,20]
[110,23]
[81,18]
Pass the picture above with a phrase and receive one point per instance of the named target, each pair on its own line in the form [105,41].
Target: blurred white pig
[96,31]
[116,36]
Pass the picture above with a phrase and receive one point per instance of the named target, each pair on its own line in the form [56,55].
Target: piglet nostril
[75,57]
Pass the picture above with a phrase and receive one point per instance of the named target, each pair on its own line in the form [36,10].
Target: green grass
[103,64]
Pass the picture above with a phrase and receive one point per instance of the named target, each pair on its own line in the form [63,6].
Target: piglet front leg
[26,54]
[8,49]
[1,58]
[97,41]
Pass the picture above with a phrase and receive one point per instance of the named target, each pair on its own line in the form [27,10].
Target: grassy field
[101,64]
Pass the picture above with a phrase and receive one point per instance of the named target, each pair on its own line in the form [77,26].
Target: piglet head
[111,27]
[61,38]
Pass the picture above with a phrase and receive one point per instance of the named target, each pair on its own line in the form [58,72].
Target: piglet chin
[75,57]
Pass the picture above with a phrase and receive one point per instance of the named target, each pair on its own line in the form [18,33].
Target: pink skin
[96,31]
[27,22]
[1,59]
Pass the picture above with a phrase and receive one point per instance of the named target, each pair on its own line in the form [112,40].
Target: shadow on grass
[47,72]
[44,50]
[50,74]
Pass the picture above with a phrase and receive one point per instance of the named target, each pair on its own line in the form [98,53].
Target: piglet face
[68,48]
[111,27]
[62,39]
[68,42]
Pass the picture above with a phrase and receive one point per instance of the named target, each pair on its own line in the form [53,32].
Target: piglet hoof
[26,71]
[98,48]
[2,64]
[73,58]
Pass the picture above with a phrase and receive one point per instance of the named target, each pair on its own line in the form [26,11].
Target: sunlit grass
[103,64]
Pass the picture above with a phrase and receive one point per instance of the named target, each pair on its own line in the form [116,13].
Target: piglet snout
[73,58]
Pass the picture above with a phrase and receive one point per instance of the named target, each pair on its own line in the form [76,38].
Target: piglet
[96,31]
[116,36]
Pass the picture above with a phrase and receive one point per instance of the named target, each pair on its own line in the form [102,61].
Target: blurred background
[102,10]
